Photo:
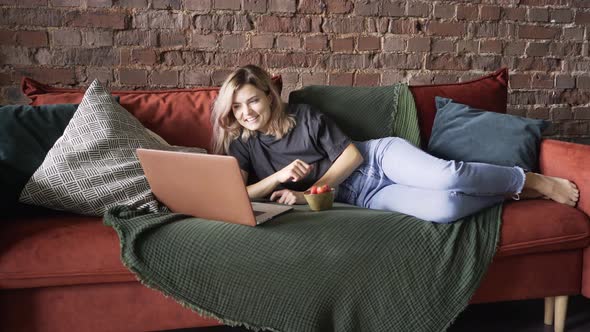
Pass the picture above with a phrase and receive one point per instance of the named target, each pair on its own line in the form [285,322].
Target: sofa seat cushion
[59,249]
[66,249]
[536,226]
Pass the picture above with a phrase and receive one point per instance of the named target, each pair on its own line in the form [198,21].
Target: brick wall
[181,43]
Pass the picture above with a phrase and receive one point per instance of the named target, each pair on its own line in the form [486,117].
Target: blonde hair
[225,126]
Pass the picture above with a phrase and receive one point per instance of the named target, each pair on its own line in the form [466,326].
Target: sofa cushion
[26,134]
[93,165]
[465,133]
[65,249]
[180,116]
[489,92]
[539,225]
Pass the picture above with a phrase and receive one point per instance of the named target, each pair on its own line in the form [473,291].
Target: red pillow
[489,93]
[180,116]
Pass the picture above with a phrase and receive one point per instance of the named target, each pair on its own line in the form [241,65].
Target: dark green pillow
[365,112]
[461,132]
[26,135]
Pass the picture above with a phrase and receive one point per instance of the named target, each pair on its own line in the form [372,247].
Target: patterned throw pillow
[93,166]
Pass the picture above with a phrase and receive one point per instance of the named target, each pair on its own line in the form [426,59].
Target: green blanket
[345,269]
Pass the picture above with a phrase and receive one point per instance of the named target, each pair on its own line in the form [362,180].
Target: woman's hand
[289,197]
[293,172]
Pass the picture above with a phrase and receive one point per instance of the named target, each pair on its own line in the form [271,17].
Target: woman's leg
[433,205]
[406,164]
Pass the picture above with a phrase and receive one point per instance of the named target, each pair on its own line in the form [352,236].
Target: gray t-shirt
[315,139]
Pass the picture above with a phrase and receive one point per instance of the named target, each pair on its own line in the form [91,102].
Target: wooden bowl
[319,202]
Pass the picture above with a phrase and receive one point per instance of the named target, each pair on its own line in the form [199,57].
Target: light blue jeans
[397,176]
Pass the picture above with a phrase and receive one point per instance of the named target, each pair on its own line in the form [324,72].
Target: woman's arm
[342,167]
[294,172]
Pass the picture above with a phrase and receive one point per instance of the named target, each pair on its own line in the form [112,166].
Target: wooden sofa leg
[560,313]
[549,310]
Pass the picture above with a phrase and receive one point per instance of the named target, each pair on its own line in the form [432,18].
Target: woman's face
[251,107]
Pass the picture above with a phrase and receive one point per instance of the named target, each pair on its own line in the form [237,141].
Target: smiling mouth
[251,119]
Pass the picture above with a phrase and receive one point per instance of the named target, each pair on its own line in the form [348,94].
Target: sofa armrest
[570,161]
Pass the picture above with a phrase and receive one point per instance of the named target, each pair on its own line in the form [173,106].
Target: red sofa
[62,272]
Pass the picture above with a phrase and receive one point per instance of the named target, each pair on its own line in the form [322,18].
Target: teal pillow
[365,112]
[464,133]
[26,135]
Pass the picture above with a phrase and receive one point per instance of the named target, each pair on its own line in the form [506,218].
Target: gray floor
[516,316]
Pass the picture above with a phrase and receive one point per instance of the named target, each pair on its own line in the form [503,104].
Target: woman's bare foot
[558,189]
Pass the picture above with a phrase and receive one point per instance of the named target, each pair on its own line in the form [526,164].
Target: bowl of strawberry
[319,197]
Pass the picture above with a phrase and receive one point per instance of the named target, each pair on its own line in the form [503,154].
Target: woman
[285,149]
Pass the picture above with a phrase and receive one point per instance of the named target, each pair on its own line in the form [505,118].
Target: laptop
[204,186]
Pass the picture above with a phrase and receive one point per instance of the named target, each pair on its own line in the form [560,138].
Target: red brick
[199,78]
[254,6]
[343,45]
[537,49]
[369,43]
[394,44]
[262,41]
[310,7]
[542,81]
[283,24]
[7,2]
[537,64]
[203,41]
[487,29]
[132,3]
[65,3]
[565,81]
[575,33]
[467,46]
[219,76]
[113,20]
[489,13]
[520,81]
[344,25]
[393,8]
[162,19]
[316,43]
[366,79]
[48,75]
[172,58]
[289,78]
[418,9]
[405,26]
[42,17]
[32,38]
[583,82]
[98,38]
[288,42]
[136,38]
[490,46]
[296,60]
[538,113]
[418,44]
[133,76]
[172,39]
[341,79]
[447,62]
[367,8]
[143,57]
[537,32]
[389,77]
[166,4]
[442,46]
[227,4]
[543,3]
[313,79]
[338,6]
[376,25]
[514,13]
[446,29]
[538,14]
[7,37]
[444,11]
[282,6]
[6,78]
[66,38]
[167,78]
[399,61]
[561,113]
[199,5]
[350,61]
[514,48]
[99,3]
[468,13]
[581,113]
[104,75]
[565,49]
[443,78]
[421,78]
[233,42]
[582,17]
[124,56]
